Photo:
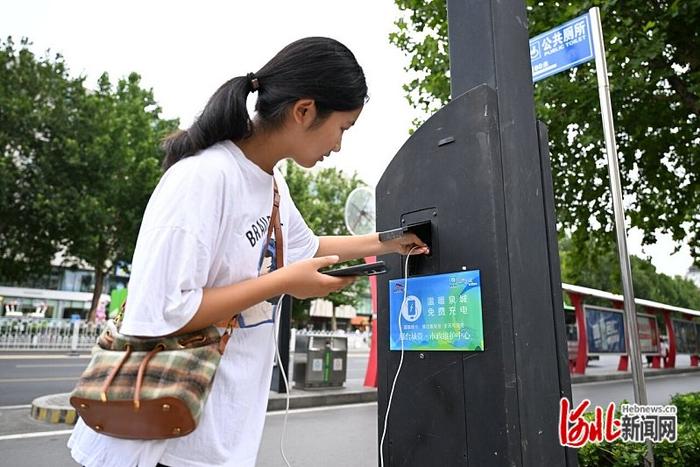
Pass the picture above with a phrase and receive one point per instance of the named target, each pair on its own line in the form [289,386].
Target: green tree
[653,55]
[320,198]
[39,102]
[78,165]
[589,268]
[103,189]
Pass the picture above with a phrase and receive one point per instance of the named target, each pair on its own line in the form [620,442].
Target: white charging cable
[277,311]
[398,370]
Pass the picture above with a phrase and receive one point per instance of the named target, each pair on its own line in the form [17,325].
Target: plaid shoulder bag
[148,388]
[153,387]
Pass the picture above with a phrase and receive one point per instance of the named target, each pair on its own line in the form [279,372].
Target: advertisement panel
[686,333]
[605,330]
[441,312]
[648,334]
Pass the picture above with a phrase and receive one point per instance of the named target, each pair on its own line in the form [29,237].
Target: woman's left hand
[408,241]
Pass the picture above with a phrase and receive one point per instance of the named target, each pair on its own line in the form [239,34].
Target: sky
[185,50]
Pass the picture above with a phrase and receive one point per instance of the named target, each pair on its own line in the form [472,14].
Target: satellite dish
[360,211]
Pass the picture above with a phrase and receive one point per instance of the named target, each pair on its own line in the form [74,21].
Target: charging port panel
[423,223]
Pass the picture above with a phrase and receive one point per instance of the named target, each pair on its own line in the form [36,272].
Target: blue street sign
[561,48]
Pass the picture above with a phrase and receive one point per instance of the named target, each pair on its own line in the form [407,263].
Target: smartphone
[359,270]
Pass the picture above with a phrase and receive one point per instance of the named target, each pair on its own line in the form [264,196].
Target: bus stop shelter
[682,331]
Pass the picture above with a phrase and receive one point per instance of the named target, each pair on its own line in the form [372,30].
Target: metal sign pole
[640,393]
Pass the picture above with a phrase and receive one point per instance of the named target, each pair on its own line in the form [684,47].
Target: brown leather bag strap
[279,249]
[120,315]
[275,224]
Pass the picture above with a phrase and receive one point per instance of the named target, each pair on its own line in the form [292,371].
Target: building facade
[60,293]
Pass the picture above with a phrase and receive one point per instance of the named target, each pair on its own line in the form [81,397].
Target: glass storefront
[71,280]
[79,282]
[42,308]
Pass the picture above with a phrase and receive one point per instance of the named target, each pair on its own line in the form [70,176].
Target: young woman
[202,242]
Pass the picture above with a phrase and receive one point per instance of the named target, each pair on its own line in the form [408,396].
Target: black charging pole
[477,172]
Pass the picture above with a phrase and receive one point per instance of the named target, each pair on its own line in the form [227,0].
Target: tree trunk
[99,283]
[334,326]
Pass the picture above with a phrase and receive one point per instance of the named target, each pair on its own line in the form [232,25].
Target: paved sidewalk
[605,369]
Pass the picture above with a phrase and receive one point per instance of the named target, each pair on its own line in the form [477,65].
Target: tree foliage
[320,198]
[78,165]
[589,268]
[105,184]
[653,56]
[39,103]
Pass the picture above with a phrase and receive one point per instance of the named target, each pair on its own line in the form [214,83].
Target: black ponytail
[315,67]
[224,117]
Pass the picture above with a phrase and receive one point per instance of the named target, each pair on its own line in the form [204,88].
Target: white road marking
[59,365]
[319,409]
[38,380]
[39,434]
[41,356]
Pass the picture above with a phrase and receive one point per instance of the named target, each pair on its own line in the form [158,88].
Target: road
[26,377]
[659,389]
[27,442]
[339,436]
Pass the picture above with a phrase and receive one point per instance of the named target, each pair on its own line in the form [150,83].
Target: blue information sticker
[440,312]
[561,48]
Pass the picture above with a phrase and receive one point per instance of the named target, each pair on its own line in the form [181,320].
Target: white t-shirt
[205,226]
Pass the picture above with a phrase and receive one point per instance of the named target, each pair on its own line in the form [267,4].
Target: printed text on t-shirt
[258,230]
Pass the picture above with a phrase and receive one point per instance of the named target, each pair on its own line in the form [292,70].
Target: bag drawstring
[142,370]
[115,370]
[139,376]
[142,367]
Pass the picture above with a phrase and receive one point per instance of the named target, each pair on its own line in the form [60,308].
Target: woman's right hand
[302,279]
